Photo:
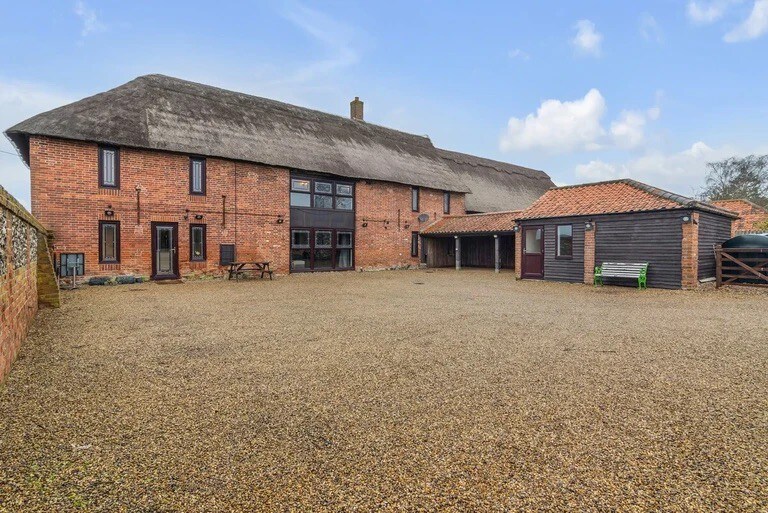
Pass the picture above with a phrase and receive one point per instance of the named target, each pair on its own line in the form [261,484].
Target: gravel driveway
[401,390]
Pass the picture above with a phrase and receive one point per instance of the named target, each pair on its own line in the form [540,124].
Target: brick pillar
[589,255]
[690,260]
[519,254]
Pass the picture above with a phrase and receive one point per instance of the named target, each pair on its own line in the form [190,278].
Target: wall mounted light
[589,225]
[109,212]
[365,225]
[686,219]
[516,228]
[198,216]
[280,220]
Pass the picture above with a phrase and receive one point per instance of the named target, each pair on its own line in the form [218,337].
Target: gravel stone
[364,391]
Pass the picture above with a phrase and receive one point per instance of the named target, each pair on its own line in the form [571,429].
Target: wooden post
[718,267]
[458,252]
[496,260]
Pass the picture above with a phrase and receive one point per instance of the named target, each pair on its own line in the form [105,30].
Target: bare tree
[738,178]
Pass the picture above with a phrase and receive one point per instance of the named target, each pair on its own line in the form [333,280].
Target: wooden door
[533,252]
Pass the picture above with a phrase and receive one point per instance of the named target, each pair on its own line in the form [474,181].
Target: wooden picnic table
[238,268]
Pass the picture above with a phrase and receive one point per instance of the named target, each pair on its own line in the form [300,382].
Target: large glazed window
[565,241]
[324,194]
[317,249]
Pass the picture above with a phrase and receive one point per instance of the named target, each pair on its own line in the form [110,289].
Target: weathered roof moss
[165,113]
[496,186]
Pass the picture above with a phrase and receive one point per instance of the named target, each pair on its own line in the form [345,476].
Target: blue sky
[583,90]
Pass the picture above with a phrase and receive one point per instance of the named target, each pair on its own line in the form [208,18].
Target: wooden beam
[496,259]
[458,252]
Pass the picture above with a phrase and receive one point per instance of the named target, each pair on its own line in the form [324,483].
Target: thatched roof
[165,113]
[496,186]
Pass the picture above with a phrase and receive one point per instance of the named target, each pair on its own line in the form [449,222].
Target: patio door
[165,251]
[533,252]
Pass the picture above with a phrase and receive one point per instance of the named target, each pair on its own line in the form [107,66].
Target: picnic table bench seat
[238,268]
[635,271]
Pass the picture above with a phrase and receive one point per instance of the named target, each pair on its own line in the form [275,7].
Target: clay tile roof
[493,222]
[750,214]
[611,197]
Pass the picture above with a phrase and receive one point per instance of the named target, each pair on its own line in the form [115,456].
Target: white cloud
[517,53]
[91,22]
[629,130]
[650,28]
[18,101]
[682,172]
[588,40]
[558,126]
[564,126]
[704,13]
[753,27]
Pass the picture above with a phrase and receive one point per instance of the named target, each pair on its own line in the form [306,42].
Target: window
[343,203]
[565,241]
[109,167]
[300,250]
[321,249]
[197,176]
[446,203]
[344,250]
[71,264]
[322,201]
[414,244]
[415,199]
[321,193]
[197,242]
[226,254]
[109,242]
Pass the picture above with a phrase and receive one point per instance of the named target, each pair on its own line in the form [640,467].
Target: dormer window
[109,167]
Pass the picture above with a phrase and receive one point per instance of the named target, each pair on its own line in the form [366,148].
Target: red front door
[533,252]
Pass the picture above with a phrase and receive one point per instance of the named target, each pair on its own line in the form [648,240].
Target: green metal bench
[636,271]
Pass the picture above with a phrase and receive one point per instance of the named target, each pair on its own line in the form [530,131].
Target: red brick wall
[18,286]
[690,259]
[66,198]
[751,217]
[386,208]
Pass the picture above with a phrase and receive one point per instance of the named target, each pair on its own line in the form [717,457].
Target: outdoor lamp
[365,225]
[198,216]
[280,220]
[109,212]
[515,228]
[686,219]
[588,225]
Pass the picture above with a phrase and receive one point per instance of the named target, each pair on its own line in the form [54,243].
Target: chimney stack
[356,109]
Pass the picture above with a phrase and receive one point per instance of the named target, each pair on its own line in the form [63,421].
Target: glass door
[165,258]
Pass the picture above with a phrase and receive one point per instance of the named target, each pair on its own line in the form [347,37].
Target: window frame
[559,256]
[116,224]
[234,253]
[334,248]
[312,193]
[446,202]
[203,177]
[415,199]
[192,257]
[415,244]
[101,150]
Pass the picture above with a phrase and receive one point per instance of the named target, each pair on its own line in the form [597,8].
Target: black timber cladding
[653,237]
[564,269]
[713,229]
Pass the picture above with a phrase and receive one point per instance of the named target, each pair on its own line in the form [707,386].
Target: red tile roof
[492,222]
[612,197]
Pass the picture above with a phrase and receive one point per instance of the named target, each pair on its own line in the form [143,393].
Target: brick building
[169,178]
[752,217]
[570,230]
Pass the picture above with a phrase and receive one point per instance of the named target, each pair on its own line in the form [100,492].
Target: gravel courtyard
[401,390]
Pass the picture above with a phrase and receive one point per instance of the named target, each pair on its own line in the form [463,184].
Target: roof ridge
[745,200]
